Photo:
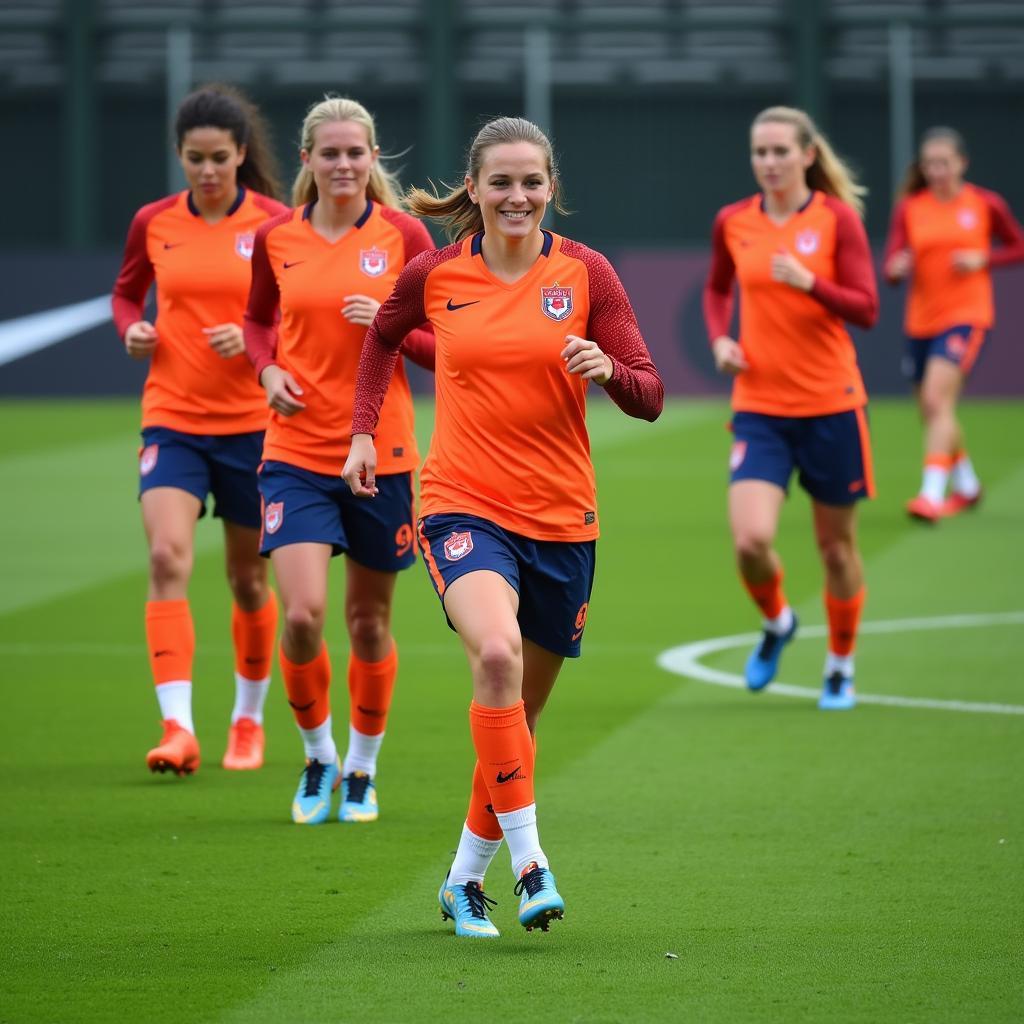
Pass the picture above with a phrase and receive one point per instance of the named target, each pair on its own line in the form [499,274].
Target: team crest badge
[956,345]
[147,460]
[458,545]
[244,243]
[807,242]
[373,262]
[273,517]
[737,455]
[556,302]
[967,219]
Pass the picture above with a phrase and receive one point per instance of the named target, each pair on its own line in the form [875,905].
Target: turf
[798,866]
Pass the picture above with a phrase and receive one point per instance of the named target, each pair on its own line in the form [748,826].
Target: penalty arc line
[685,660]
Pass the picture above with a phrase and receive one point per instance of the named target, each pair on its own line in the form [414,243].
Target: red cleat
[178,751]
[957,503]
[924,510]
[245,746]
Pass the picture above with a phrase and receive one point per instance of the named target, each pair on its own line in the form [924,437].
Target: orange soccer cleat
[178,751]
[924,510]
[245,746]
[958,502]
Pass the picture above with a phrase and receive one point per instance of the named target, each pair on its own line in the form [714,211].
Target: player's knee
[837,553]
[499,659]
[368,628]
[752,546]
[304,621]
[248,585]
[169,561]
[934,404]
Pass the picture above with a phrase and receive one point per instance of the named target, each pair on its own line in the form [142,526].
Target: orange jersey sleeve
[306,278]
[940,296]
[202,278]
[802,360]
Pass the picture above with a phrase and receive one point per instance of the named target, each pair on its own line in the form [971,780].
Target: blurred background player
[203,415]
[941,239]
[800,255]
[524,320]
[327,266]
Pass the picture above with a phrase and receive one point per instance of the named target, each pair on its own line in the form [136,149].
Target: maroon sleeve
[128,302]
[418,345]
[259,326]
[634,386]
[269,205]
[1006,229]
[718,288]
[897,238]
[402,313]
[853,295]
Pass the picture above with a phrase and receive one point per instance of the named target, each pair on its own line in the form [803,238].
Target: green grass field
[800,866]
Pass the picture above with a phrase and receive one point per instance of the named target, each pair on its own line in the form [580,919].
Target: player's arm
[1007,230]
[853,295]
[128,301]
[897,260]
[718,302]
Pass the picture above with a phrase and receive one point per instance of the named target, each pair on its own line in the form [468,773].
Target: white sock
[965,481]
[249,697]
[319,742]
[362,752]
[782,623]
[933,483]
[520,828]
[841,663]
[176,702]
[472,858]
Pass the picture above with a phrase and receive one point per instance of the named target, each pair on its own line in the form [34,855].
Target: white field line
[686,661]
[27,334]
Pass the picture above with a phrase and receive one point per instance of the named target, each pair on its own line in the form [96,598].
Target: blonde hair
[828,173]
[460,215]
[383,186]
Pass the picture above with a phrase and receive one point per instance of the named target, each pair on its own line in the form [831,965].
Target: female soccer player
[202,413]
[941,238]
[524,321]
[327,266]
[801,257]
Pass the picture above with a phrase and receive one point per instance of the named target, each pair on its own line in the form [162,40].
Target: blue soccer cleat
[312,803]
[763,662]
[467,906]
[837,693]
[539,902]
[358,798]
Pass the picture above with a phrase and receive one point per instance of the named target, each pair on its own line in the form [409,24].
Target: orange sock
[370,686]
[253,634]
[171,639]
[480,817]
[767,596]
[843,620]
[308,687]
[504,749]
[938,460]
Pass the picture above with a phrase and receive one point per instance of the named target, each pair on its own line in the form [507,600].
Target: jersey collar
[239,199]
[476,248]
[363,217]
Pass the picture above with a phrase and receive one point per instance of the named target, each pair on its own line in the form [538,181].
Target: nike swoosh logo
[452,306]
[303,707]
[172,245]
[161,654]
[294,263]
[502,779]
[576,636]
[372,712]
[301,818]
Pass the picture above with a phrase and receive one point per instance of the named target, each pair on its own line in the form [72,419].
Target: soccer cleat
[837,693]
[539,902]
[245,746]
[312,803]
[763,662]
[467,906]
[924,510]
[177,752]
[958,502]
[358,798]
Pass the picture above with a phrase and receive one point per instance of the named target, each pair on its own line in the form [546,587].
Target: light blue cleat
[358,798]
[467,906]
[312,803]
[763,662]
[539,901]
[837,693]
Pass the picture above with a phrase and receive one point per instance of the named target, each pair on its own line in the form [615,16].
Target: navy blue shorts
[553,578]
[832,453]
[300,507]
[961,345]
[223,465]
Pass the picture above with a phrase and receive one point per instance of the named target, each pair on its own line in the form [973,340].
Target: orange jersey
[510,440]
[202,275]
[307,277]
[801,359]
[940,296]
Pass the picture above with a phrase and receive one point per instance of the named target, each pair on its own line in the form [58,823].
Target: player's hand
[360,472]
[225,339]
[967,261]
[789,270]
[360,309]
[140,339]
[898,265]
[729,357]
[282,391]
[585,358]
